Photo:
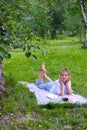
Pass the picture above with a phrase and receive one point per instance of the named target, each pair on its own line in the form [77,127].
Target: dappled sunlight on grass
[63,42]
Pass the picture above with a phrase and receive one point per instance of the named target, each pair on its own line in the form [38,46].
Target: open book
[52,96]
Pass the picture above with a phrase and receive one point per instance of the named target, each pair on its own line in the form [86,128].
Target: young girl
[61,86]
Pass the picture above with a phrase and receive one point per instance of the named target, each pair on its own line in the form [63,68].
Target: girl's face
[64,76]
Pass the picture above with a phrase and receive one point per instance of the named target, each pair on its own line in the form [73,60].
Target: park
[32,32]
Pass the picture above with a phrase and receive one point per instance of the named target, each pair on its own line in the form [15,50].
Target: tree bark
[85,17]
[2,78]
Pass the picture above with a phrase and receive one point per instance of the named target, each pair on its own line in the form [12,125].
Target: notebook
[52,96]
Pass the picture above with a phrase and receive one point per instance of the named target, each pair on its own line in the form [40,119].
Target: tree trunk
[86,35]
[2,79]
[85,17]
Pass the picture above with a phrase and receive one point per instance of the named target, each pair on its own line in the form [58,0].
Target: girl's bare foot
[43,69]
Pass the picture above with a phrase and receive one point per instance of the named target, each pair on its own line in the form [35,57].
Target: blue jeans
[46,86]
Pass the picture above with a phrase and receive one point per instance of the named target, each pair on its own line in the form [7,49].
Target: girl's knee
[39,82]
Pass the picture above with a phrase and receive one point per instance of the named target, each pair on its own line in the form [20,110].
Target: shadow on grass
[64,105]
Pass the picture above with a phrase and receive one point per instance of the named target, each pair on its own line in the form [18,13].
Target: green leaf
[43,53]
[34,57]
[2,54]
[8,55]
[15,46]
[28,54]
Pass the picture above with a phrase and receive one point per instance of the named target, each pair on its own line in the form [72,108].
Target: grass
[19,101]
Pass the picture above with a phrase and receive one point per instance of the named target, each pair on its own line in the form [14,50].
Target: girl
[61,86]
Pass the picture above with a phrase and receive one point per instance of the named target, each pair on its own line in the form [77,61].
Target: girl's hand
[69,78]
[62,87]
[67,82]
[61,94]
[61,82]
[68,87]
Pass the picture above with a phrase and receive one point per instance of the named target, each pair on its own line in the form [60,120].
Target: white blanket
[45,97]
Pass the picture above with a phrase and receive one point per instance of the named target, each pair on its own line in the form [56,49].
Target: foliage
[25,20]
[39,19]
[16,23]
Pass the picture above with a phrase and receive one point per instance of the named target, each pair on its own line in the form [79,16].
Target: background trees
[23,18]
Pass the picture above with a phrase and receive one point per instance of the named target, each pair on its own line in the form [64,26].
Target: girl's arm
[62,89]
[68,87]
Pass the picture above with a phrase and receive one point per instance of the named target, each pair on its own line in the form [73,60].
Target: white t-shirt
[56,88]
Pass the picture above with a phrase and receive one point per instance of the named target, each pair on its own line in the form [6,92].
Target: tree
[2,53]
[14,17]
[39,19]
[85,17]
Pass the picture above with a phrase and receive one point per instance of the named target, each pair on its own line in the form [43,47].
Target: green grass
[61,53]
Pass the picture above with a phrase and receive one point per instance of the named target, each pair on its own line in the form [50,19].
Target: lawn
[19,106]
